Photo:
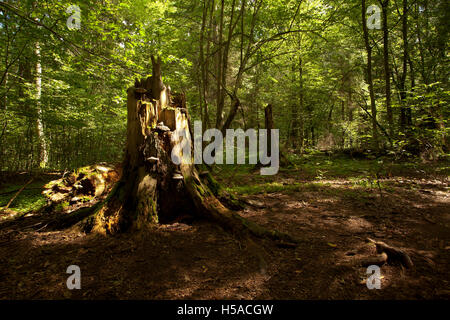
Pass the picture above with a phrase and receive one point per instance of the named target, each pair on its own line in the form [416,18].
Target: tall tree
[373,106]
[43,149]
[387,72]
[405,112]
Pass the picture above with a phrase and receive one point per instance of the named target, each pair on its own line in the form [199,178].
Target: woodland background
[63,92]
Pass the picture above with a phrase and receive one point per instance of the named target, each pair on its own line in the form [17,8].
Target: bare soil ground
[332,217]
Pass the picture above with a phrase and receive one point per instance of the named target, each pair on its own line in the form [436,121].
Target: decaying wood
[81,185]
[378,260]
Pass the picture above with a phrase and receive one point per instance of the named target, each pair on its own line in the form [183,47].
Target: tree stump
[159,181]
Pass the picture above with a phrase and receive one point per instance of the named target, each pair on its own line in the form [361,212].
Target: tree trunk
[203,88]
[220,93]
[404,112]
[43,149]
[269,124]
[373,106]
[387,73]
[236,104]
[301,113]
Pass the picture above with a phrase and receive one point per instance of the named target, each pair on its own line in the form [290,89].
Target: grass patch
[321,167]
[273,187]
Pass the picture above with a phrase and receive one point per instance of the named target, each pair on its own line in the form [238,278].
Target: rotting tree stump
[153,188]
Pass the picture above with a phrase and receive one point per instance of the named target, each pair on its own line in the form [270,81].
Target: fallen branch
[18,192]
[378,260]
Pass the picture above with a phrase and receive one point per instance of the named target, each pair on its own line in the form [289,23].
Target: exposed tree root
[209,207]
[227,199]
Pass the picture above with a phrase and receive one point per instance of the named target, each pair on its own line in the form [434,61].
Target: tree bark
[404,112]
[203,67]
[369,78]
[43,148]
[269,125]
[387,72]
[220,93]
[301,115]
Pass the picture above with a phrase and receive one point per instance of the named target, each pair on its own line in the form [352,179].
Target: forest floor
[332,205]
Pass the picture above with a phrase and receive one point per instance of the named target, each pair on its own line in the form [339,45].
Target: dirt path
[200,261]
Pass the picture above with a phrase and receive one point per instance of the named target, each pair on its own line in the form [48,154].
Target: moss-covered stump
[80,186]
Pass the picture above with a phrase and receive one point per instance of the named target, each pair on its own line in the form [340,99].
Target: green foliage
[306,58]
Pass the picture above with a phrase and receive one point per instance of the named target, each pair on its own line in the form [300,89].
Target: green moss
[30,199]
[154,211]
[62,206]
[212,184]
[86,198]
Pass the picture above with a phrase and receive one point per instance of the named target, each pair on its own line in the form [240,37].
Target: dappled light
[225,150]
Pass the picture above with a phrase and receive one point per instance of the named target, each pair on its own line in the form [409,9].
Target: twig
[18,192]
[378,184]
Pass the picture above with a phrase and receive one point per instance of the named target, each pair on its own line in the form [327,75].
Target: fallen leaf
[332,245]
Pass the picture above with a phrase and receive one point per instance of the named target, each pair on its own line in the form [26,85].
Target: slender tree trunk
[236,104]
[220,93]
[4,125]
[404,109]
[297,130]
[420,44]
[369,77]
[203,65]
[206,120]
[301,114]
[244,58]
[413,85]
[350,106]
[294,123]
[387,72]
[224,71]
[43,148]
